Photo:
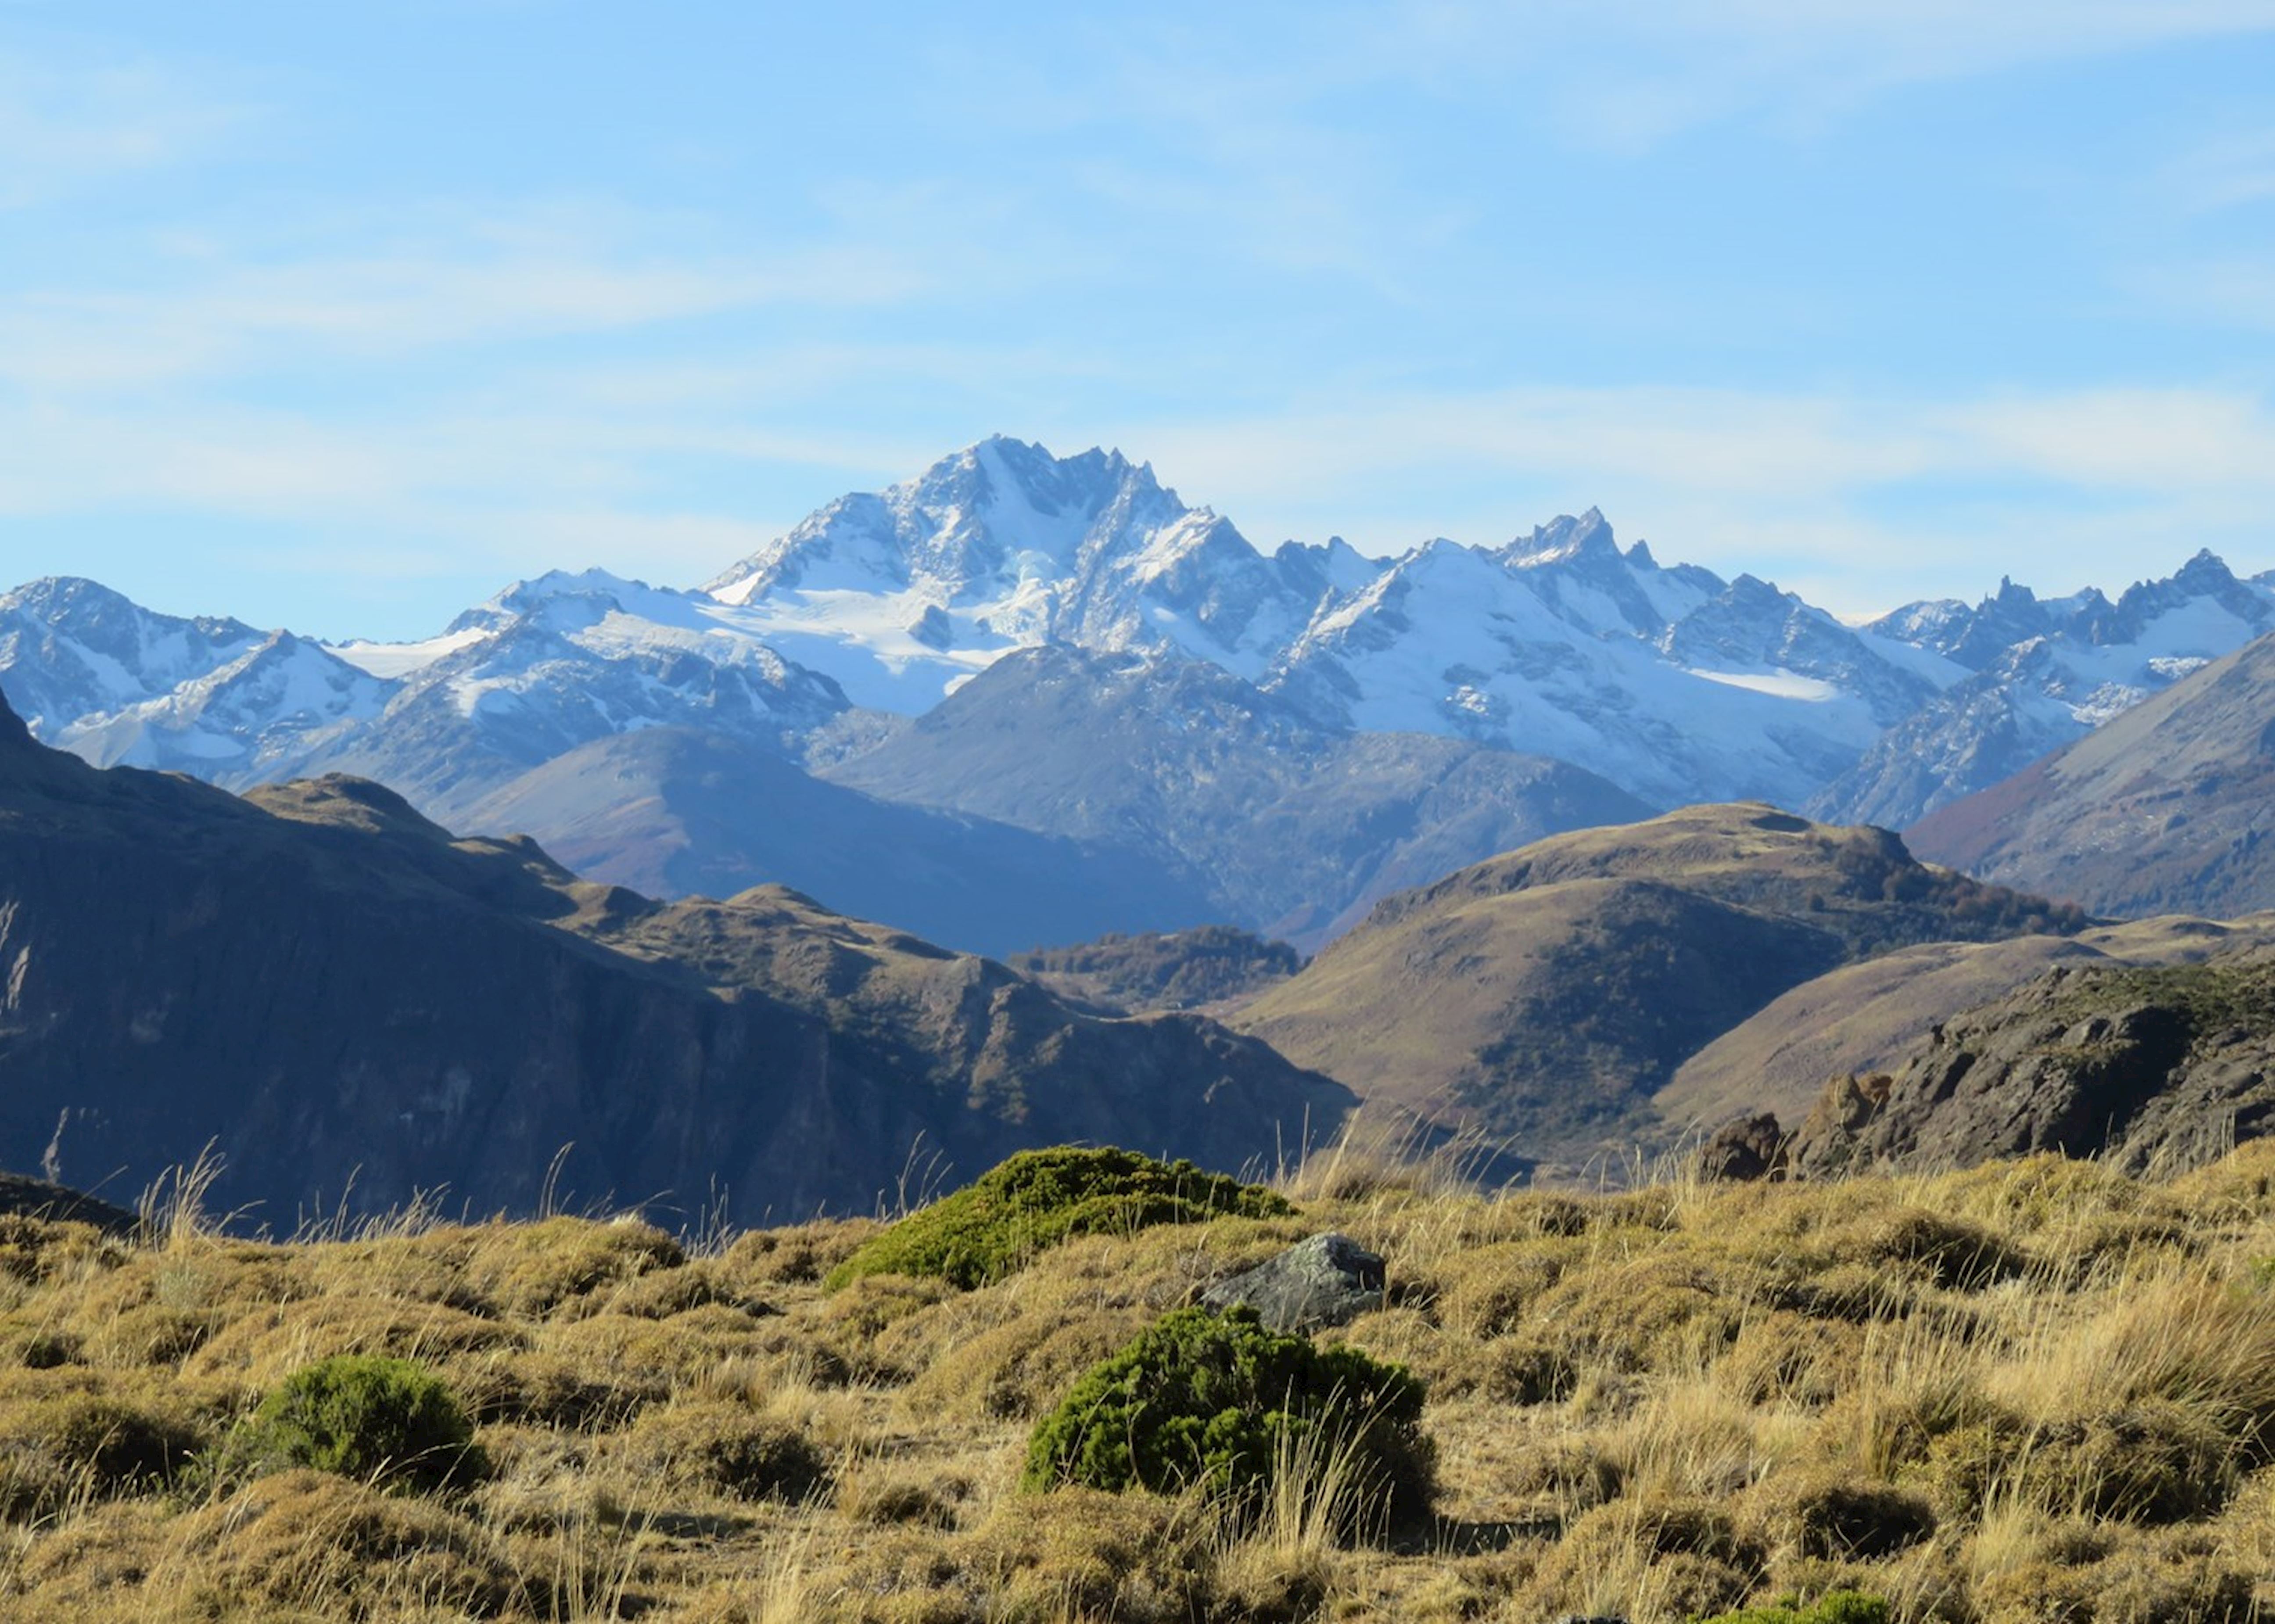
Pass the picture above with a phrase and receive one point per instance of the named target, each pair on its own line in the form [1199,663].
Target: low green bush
[388,1422]
[1037,1198]
[1834,1607]
[1221,1403]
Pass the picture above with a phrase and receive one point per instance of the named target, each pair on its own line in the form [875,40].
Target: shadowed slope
[671,812]
[1293,828]
[335,990]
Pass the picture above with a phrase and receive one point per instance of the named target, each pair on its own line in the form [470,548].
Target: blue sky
[342,317]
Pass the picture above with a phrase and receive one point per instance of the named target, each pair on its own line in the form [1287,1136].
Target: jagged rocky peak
[1576,566]
[1978,637]
[2204,579]
[1565,537]
[96,614]
[1971,637]
[1001,508]
[568,598]
[1586,541]
[72,648]
[975,511]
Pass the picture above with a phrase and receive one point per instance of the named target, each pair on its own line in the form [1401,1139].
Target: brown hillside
[1545,995]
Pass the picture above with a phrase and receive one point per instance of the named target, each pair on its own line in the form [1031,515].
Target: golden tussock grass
[2035,1391]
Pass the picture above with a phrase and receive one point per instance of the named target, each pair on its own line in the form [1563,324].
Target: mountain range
[1051,675]
[354,1006]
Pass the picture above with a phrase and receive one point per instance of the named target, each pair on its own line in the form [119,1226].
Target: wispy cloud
[215,313]
[1656,67]
[2229,171]
[64,126]
[1858,503]
[1860,500]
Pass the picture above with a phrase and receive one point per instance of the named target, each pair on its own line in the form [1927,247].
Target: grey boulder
[1323,1281]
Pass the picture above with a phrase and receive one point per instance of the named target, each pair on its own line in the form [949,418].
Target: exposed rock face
[1326,1281]
[2136,1064]
[1752,1147]
[1863,1018]
[338,992]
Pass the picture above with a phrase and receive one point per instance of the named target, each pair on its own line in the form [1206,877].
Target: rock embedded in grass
[1328,1280]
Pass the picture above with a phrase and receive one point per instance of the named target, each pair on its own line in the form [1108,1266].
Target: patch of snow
[1780,684]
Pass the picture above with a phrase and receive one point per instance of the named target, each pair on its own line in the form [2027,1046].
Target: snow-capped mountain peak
[2046,671]
[71,647]
[993,513]
[1564,538]
[903,595]
[261,715]
[1671,681]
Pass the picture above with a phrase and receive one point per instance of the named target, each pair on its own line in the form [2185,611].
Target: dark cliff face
[351,1004]
[2141,1065]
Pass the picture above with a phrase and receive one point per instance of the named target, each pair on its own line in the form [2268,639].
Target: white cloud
[1860,505]
[220,316]
[2230,171]
[1865,503]
[2226,290]
[62,128]
[1629,75]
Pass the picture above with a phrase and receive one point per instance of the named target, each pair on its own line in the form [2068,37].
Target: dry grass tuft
[2040,1390]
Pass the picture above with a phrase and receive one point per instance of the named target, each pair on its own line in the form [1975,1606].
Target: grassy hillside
[1179,970]
[2040,1390]
[1545,996]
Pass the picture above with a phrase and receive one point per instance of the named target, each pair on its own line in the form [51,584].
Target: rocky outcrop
[353,1006]
[2144,1066]
[1750,1148]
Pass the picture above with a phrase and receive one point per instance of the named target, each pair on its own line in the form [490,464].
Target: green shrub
[1039,1198]
[1221,1403]
[384,1421]
[1834,1607]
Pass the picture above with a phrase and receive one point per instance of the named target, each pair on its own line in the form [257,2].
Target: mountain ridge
[334,991]
[824,647]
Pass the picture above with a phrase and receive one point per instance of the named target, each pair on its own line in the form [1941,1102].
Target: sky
[340,318]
